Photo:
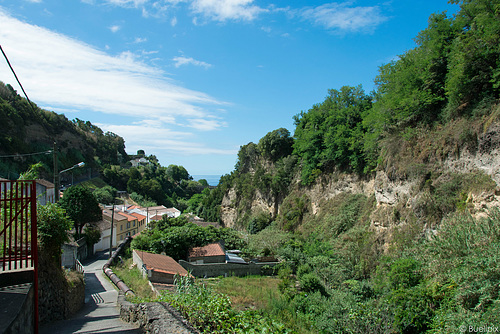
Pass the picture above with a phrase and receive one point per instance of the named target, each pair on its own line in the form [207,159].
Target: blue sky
[191,81]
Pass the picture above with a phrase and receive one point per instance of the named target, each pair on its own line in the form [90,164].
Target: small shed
[211,253]
[158,268]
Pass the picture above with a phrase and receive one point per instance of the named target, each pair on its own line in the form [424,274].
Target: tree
[53,228]
[177,173]
[331,133]
[474,60]
[276,144]
[92,234]
[81,206]
[105,195]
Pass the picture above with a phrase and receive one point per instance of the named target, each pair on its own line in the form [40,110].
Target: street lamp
[78,165]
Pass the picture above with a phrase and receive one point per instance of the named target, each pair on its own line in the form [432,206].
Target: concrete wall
[228,269]
[208,259]
[140,265]
[103,243]
[157,277]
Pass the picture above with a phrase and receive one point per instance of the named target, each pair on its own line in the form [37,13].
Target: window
[128,225]
[133,225]
[121,227]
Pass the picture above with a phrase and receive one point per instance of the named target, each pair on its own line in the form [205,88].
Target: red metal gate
[18,230]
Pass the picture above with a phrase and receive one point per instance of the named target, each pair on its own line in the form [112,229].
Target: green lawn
[250,292]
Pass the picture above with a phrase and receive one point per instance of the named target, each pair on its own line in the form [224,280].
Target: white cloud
[65,74]
[140,40]
[128,3]
[149,8]
[152,138]
[35,1]
[344,17]
[205,124]
[173,22]
[179,61]
[114,28]
[223,10]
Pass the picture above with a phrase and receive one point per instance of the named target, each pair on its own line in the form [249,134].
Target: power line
[25,155]
[15,75]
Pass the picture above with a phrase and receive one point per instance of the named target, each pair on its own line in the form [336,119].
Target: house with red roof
[158,268]
[211,253]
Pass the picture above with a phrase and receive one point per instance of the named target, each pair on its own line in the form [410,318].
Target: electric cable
[15,75]
[25,154]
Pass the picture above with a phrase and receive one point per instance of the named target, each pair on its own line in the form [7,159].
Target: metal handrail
[79,266]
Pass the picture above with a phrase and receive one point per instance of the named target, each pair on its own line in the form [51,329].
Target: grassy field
[132,277]
[251,292]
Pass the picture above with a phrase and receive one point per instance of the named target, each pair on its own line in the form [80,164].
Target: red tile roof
[138,216]
[129,217]
[161,263]
[208,250]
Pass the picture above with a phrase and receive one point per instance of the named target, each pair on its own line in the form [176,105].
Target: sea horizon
[212,179]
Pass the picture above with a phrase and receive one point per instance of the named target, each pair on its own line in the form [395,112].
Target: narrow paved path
[100,314]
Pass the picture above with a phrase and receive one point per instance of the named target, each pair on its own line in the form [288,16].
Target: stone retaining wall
[58,299]
[155,318]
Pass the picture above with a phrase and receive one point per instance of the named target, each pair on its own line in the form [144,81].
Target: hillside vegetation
[384,203]
[28,129]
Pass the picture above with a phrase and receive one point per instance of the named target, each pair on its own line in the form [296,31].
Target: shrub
[53,228]
[212,312]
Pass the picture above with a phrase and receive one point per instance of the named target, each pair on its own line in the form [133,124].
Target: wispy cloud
[127,3]
[180,61]
[61,73]
[34,1]
[140,40]
[158,140]
[344,17]
[114,28]
[149,8]
[224,10]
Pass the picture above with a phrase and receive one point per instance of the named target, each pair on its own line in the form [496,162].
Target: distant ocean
[213,180]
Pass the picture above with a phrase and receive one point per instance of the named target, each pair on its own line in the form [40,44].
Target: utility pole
[56,174]
[111,235]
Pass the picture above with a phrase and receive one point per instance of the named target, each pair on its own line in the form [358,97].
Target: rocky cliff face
[399,200]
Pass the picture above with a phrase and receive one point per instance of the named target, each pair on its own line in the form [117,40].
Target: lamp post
[78,165]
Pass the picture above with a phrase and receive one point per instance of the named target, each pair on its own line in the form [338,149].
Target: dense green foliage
[212,312]
[420,265]
[152,184]
[81,206]
[29,129]
[332,132]
[452,72]
[175,236]
[53,228]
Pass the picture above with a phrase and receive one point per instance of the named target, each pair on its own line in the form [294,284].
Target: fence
[18,231]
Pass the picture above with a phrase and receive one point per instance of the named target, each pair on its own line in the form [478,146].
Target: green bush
[212,312]
[53,228]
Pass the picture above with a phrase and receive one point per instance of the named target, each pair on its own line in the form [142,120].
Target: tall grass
[132,277]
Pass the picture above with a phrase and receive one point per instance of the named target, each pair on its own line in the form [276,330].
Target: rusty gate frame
[18,231]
